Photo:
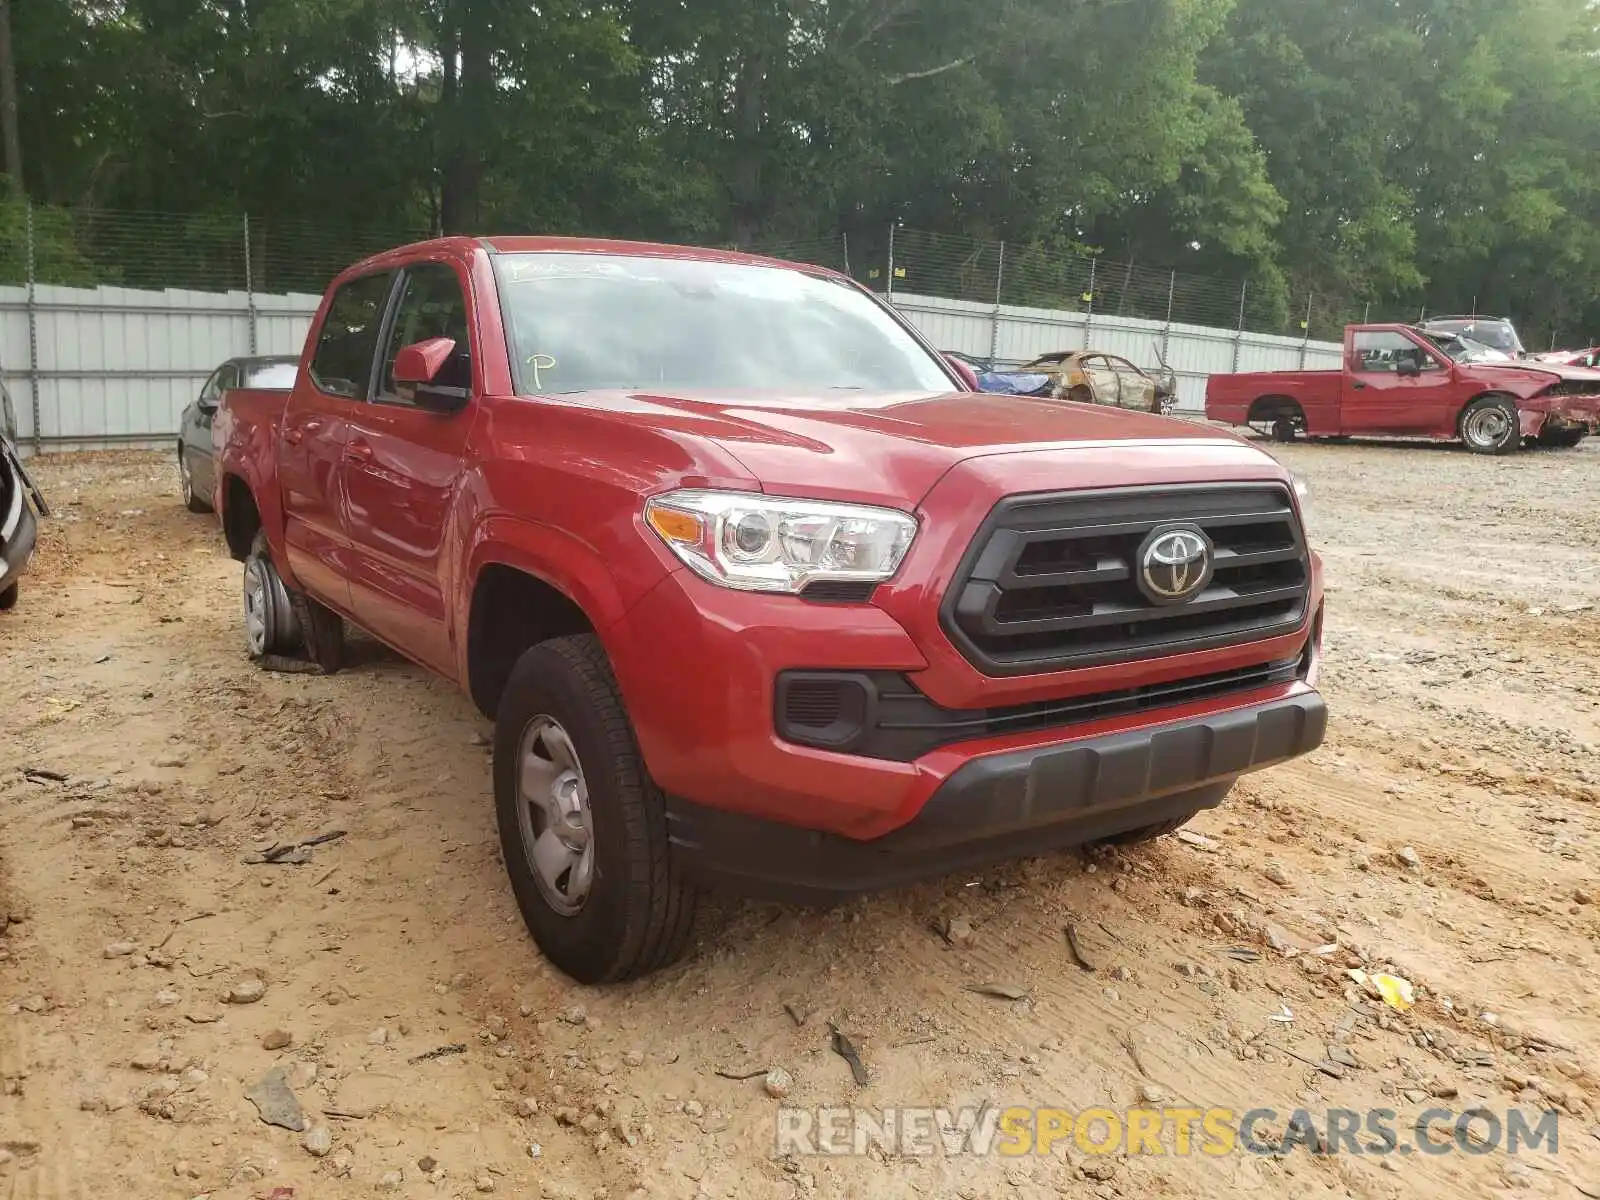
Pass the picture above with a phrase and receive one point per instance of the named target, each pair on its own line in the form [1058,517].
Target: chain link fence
[256,265]
[85,248]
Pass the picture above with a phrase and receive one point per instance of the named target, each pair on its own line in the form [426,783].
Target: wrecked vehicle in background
[1400,380]
[21,506]
[1093,377]
[1498,333]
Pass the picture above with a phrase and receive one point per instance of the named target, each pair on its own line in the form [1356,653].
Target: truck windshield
[584,322]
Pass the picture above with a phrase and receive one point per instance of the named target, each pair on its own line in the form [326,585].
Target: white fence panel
[117,366]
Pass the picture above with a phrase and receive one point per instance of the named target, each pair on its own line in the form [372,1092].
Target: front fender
[571,566]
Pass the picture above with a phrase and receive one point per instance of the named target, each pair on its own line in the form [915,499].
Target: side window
[1382,350]
[431,306]
[342,364]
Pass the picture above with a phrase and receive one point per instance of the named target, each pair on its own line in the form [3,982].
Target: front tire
[191,499]
[583,828]
[1489,425]
[8,597]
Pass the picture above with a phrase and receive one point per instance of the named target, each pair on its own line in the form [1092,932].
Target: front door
[1378,398]
[1101,377]
[315,430]
[402,466]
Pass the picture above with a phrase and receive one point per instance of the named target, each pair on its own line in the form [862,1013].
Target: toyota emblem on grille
[1175,563]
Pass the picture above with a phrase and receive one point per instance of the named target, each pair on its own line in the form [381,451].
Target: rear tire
[270,625]
[1489,425]
[191,499]
[8,598]
[568,776]
[279,622]
[1285,429]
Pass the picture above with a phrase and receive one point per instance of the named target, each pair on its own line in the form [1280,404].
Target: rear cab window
[347,343]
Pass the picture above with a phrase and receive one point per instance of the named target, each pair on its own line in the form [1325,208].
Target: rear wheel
[279,622]
[583,828]
[1285,429]
[1489,425]
[8,597]
[191,499]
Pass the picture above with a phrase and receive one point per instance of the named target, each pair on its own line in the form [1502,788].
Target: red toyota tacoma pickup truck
[756,587]
[1400,380]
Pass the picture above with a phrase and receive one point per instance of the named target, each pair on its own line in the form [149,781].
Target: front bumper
[1001,806]
[697,666]
[1559,412]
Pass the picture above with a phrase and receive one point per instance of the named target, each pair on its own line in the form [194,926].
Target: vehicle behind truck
[756,591]
[1396,380]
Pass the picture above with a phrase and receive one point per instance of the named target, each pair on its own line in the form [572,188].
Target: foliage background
[1394,154]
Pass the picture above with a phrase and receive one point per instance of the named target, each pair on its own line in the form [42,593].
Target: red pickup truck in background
[756,587]
[1400,380]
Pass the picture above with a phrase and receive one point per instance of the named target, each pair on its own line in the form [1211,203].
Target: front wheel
[583,827]
[8,597]
[1489,425]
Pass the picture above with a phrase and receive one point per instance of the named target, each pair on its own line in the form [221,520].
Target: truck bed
[1230,397]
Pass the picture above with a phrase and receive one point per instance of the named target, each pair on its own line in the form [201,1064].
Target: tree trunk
[465,100]
[9,134]
[748,205]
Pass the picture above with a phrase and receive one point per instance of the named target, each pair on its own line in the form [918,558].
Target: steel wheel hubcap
[255,606]
[553,815]
[1487,426]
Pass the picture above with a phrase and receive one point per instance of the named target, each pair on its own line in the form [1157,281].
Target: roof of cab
[523,244]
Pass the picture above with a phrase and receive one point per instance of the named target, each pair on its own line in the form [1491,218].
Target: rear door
[402,466]
[315,430]
[1377,398]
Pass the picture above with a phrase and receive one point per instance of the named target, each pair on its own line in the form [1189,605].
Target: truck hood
[1557,370]
[894,448]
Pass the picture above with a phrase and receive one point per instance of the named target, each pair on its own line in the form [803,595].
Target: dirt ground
[1463,640]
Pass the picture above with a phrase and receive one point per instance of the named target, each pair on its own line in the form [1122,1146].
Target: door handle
[1357,385]
[293,436]
[358,452]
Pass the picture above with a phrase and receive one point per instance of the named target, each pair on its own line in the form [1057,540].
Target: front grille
[1050,581]
[883,714]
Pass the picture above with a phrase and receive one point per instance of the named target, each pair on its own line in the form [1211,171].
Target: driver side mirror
[417,366]
[963,369]
[1408,368]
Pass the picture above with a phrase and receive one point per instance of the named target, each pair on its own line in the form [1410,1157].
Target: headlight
[1302,493]
[771,544]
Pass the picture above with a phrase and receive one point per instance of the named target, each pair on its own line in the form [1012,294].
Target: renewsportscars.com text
[1174,1130]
